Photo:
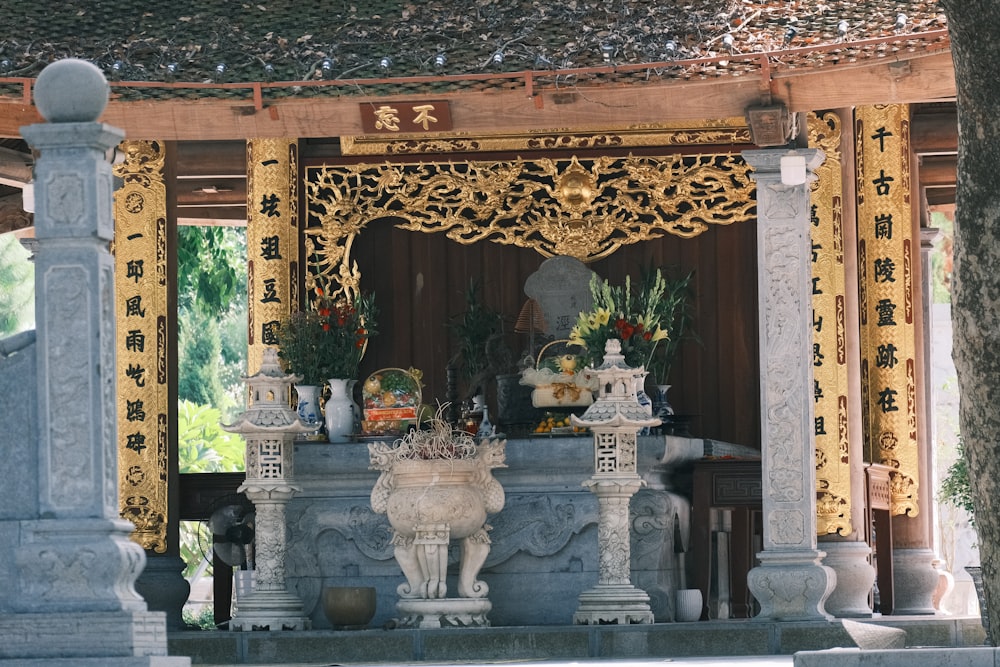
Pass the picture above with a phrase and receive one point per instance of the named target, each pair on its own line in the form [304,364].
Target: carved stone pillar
[269,427]
[790,583]
[615,419]
[68,565]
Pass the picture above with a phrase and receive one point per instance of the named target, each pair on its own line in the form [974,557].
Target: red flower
[324,312]
[646,335]
[326,326]
[627,331]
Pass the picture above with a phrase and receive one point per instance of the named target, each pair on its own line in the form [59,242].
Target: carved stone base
[791,585]
[269,610]
[84,638]
[443,612]
[914,581]
[619,604]
[855,577]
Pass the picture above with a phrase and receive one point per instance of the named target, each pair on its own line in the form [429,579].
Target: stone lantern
[269,427]
[615,419]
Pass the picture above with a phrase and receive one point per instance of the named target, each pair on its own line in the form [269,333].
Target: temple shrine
[787,157]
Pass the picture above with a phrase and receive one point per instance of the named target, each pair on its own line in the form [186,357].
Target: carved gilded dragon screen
[582,207]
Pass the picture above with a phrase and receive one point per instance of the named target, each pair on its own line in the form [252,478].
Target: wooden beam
[927,78]
[938,171]
[13,217]
[934,133]
[939,196]
[15,167]
[212,158]
[211,191]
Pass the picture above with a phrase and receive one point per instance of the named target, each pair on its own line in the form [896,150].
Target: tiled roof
[343,43]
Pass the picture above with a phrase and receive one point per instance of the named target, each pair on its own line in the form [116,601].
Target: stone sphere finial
[71,91]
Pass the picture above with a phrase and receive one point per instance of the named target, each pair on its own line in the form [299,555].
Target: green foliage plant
[955,487]
[476,330]
[676,314]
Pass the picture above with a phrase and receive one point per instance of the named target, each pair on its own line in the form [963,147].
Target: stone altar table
[544,542]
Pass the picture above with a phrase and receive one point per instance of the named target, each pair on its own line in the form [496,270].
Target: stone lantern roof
[269,410]
[617,405]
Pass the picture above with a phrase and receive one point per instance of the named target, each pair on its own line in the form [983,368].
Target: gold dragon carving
[583,208]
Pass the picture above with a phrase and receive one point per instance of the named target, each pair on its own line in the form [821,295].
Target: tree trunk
[974,26]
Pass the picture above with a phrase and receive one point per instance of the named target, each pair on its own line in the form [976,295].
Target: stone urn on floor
[437,487]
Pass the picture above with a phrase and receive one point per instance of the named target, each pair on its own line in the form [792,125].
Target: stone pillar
[68,565]
[840,475]
[615,419]
[790,583]
[269,427]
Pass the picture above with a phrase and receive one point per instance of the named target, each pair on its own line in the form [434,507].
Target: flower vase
[643,399]
[661,405]
[308,405]
[342,412]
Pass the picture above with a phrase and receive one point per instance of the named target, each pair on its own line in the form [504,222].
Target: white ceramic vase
[341,411]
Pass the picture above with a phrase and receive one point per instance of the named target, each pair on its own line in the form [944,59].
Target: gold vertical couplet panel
[885,251]
[272,240]
[833,469]
[142,319]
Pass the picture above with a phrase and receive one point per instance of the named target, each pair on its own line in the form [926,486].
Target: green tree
[211,300]
[975,47]
[17,287]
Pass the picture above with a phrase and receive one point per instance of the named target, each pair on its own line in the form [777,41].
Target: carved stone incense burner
[437,486]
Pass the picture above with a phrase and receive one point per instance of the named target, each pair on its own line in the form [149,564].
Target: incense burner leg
[475,549]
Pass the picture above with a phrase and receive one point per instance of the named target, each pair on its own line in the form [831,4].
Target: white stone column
[269,427]
[790,584]
[66,561]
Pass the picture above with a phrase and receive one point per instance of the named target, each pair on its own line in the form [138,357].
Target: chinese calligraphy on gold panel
[833,473]
[272,240]
[885,251]
[142,328]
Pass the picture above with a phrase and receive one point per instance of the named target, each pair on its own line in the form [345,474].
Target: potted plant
[479,333]
[326,344]
[956,490]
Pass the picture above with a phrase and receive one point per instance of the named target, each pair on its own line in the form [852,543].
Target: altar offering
[391,399]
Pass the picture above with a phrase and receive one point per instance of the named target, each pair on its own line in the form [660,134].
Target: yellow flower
[603,316]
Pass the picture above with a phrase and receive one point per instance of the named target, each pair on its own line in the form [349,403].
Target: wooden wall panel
[420,282]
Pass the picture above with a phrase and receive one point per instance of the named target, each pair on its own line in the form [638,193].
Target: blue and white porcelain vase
[342,413]
[308,406]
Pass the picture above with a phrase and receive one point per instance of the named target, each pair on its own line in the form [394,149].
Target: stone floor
[663,642]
